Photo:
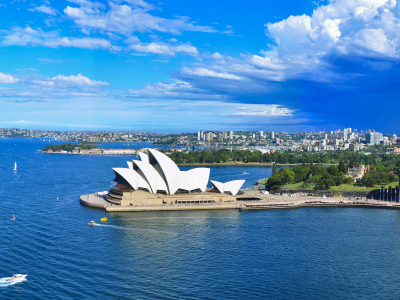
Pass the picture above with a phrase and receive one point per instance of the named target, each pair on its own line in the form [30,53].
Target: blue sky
[177,66]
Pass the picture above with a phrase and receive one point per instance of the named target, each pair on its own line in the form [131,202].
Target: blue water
[309,253]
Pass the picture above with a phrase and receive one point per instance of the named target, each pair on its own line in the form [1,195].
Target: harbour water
[308,253]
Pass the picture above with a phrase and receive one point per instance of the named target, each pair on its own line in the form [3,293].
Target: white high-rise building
[231,135]
[254,135]
[326,136]
[261,134]
[345,132]
[273,135]
[199,135]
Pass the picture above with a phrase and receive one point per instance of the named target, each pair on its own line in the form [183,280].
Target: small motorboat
[13,218]
[92,223]
[11,280]
[18,277]
[103,219]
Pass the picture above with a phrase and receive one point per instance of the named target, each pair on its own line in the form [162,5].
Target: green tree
[342,167]
[274,169]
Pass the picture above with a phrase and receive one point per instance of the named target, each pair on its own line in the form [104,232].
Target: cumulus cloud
[45,9]
[365,33]
[4,78]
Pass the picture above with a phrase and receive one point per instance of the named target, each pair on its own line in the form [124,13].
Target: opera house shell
[156,180]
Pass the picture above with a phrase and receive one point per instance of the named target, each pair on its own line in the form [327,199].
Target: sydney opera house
[156,180]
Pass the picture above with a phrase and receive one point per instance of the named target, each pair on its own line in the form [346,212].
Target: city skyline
[165,67]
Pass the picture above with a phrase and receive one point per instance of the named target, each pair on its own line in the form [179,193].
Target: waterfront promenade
[265,202]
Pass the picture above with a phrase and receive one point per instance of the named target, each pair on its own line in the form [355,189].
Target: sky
[183,66]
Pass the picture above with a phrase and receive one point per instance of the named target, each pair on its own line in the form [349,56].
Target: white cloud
[203,72]
[265,111]
[366,32]
[37,37]
[177,89]
[124,19]
[2,5]
[138,3]
[164,49]
[78,80]
[4,78]
[86,3]
[45,9]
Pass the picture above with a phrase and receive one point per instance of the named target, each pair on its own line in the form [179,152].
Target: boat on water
[103,219]
[11,280]
[13,218]
[92,223]
[15,167]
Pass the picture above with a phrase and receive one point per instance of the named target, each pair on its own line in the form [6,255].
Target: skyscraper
[261,134]
[231,135]
[345,134]
[273,135]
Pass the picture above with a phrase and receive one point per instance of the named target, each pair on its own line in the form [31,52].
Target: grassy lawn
[350,187]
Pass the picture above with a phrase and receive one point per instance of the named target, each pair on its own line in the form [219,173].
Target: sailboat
[13,219]
[15,167]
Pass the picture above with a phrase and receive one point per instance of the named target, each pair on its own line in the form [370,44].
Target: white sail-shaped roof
[187,183]
[129,175]
[156,172]
[169,171]
[218,185]
[144,157]
[232,187]
[200,177]
[150,174]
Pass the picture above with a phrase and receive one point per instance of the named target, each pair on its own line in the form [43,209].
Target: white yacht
[15,167]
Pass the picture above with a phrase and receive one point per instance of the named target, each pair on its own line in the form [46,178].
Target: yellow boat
[103,219]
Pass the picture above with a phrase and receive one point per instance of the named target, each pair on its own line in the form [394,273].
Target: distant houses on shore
[96,151]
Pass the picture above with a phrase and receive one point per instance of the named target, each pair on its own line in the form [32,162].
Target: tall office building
[345,134]
[273,135]
[199,135]
[374,138]
[231,135]
[261,134]
[326,136]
